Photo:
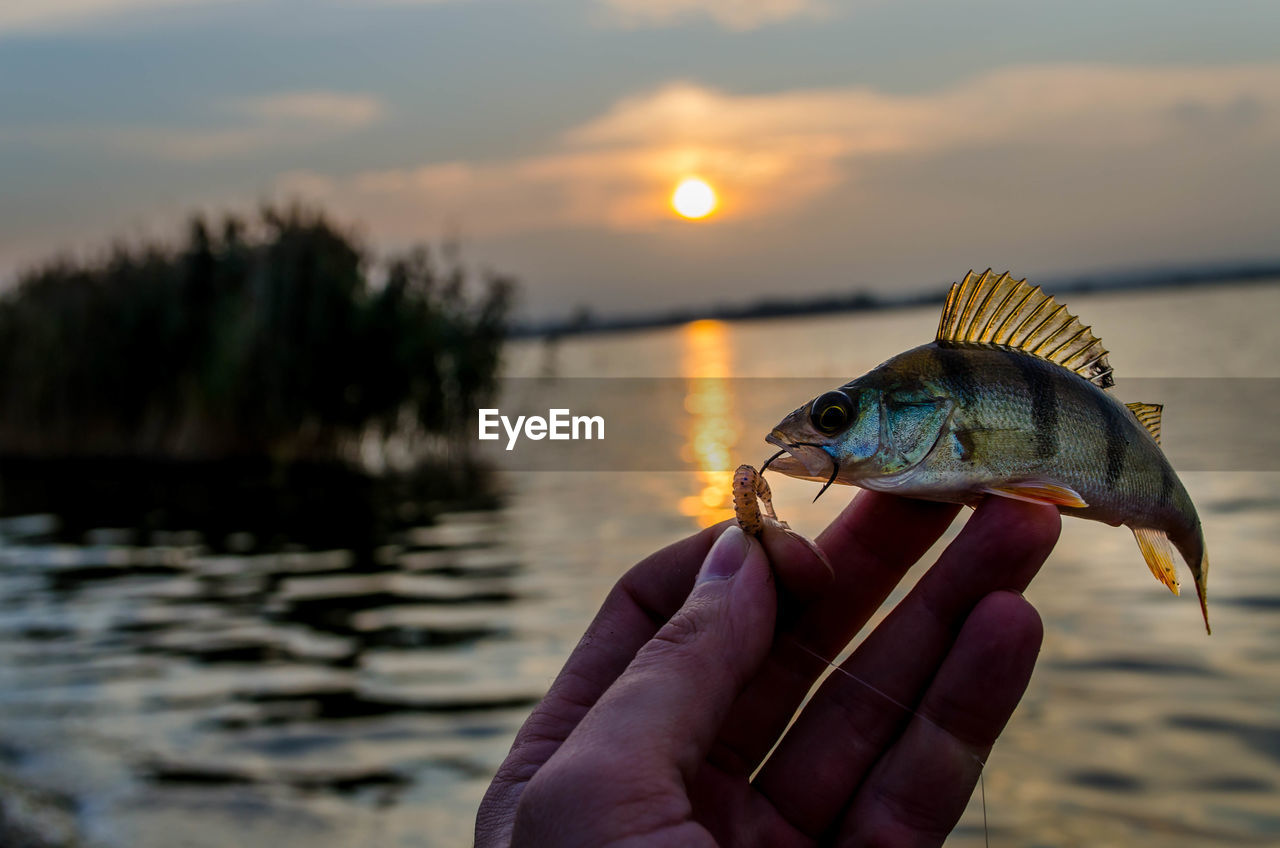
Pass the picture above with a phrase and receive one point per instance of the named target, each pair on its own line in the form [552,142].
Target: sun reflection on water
[712,427]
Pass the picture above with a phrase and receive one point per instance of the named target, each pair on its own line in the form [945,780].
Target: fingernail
[726,556]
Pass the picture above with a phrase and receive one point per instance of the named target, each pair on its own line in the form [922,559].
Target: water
[216,685]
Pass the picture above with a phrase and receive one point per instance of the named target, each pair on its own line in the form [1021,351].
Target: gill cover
[910,427]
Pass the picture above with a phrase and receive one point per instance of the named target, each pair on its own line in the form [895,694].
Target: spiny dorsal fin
[1148,415]
[1004,312]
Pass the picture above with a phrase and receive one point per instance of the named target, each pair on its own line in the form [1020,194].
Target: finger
[854,716]
[639,604]
[801,567]
[917,792]
[675,694]
[870,546]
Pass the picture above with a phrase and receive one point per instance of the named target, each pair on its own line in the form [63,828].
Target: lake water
[205,686]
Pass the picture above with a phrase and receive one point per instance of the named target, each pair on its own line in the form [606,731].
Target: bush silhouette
[261,337]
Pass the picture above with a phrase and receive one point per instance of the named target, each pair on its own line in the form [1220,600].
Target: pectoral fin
[1039,492]
[1157,550]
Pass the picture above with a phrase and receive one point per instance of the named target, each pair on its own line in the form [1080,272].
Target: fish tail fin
[1200,571]
[1157,550]
[1190,542]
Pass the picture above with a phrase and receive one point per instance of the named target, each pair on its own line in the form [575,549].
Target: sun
[693,198]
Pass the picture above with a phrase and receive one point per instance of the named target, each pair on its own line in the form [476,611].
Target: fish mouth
[803,461]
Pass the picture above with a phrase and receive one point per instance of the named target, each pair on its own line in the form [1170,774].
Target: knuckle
[684,628]
[581,783]
[681,641]
[960,719]
[558,785]
[906,823]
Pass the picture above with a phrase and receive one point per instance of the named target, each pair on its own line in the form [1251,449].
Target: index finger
[871,545]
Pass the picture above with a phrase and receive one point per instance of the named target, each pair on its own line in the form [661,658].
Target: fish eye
[831,412]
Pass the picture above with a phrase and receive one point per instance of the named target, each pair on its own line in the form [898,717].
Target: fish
[1011,399]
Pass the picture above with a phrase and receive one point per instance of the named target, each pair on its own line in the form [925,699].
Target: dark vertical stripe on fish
[1114,423]
[1044,401]
[956,372]
[1167,482]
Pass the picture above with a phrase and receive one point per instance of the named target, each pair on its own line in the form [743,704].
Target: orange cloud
[731,14]
[768,155]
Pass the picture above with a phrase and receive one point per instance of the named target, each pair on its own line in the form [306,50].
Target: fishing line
[982,765]
[982,784]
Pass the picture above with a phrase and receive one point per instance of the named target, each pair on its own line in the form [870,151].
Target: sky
[885,146]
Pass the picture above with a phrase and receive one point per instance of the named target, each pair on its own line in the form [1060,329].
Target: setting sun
[694,198]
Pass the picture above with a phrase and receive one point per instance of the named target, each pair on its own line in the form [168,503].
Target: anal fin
[1039,492]
[1157,550]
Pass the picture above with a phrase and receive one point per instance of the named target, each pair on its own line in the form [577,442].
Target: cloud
[316,108]
[248,126]
[731,14]
[623,189]
[188,145]
[777,154]
[251,125]
[367,3]
[28,15]
[52,15]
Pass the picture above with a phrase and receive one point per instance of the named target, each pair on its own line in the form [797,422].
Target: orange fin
[1157,550]
[1039,491]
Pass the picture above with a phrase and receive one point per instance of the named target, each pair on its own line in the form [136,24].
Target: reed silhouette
[278,336]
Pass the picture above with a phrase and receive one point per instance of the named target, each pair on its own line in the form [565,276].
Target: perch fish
[1011,400]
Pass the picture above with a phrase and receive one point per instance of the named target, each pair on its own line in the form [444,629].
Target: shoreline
[1252,273]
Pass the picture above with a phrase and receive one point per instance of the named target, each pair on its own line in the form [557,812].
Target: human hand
[690,673]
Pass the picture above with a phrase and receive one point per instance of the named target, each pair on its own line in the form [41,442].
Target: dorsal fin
[1148,415]
[1004,312]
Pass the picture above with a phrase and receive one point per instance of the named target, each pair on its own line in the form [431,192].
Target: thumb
[674,696]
